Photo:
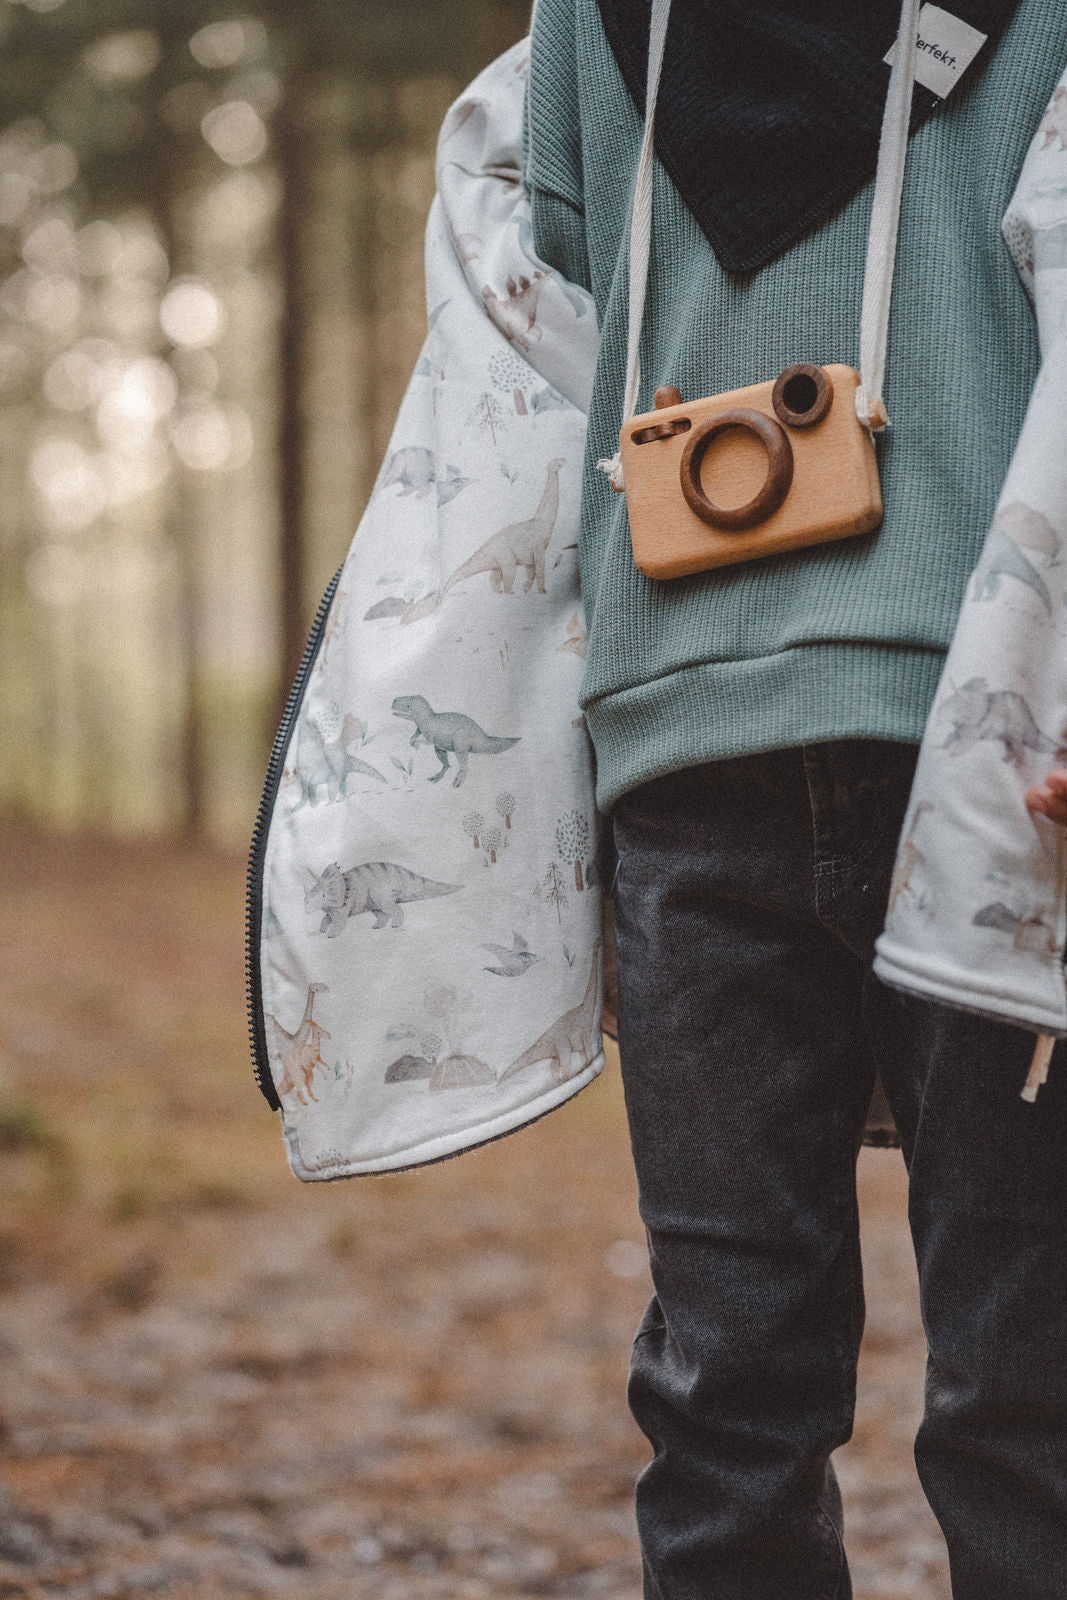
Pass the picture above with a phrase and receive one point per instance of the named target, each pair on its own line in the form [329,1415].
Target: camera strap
[881,239]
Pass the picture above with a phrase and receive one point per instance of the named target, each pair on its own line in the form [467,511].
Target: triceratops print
[380,887]
[978,713]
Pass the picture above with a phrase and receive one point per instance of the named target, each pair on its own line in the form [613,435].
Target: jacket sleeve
[978,912]
[552,153]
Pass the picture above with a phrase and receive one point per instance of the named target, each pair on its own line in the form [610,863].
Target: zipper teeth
[254,887]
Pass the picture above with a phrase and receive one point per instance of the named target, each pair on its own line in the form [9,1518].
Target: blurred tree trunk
[293,153]
[169,167]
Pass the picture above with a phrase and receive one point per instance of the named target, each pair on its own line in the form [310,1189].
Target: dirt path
[219,1384]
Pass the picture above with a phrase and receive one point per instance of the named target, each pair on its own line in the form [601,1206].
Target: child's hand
[1050,797]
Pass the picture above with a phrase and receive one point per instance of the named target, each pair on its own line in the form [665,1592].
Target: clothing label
[944,49]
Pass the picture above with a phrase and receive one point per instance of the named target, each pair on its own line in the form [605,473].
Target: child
[756,732]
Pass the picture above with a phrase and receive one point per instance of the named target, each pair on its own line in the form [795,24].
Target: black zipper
[257,1033]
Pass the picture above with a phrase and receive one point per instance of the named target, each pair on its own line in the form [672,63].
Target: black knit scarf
[769,111]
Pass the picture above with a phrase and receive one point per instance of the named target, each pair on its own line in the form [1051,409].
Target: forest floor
[217,1383]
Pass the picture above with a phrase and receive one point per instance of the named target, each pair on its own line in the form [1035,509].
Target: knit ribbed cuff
[715,710]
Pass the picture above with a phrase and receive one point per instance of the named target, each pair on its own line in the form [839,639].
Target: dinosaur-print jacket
[426,933]
[426,954]
[978,913]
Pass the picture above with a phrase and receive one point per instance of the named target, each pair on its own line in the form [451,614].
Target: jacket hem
[919,981]
[715,710]
[444,1146]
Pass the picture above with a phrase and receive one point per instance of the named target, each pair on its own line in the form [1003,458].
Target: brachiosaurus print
[300,1051]
[569,1036]
[520,544]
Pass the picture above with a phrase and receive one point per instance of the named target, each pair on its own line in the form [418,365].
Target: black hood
[769,111]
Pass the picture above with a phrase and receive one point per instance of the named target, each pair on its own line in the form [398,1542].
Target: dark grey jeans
[748,895]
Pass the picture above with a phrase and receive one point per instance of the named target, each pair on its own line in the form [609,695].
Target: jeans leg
[988,1210]
[747,1075]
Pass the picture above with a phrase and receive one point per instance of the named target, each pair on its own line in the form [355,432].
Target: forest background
[210,303]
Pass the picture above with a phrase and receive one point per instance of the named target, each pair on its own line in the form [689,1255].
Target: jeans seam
[825,861]
[825,1517]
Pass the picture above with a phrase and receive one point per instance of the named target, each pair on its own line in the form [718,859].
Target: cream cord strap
[885,218]
[641,228]
[881,240]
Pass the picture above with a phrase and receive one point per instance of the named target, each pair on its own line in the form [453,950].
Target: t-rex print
[516,317]
[320,760]
[570,1036]
[379,887]
[300,1051]
[520,544]
[448,731]
[978,713]
[1002,558]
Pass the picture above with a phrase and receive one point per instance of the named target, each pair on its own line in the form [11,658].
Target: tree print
[487,414]
[431,1047]
[473,823]
[448,1007]
[407,768]
[492,839]
[552,889]
[505,807]
[572,841]
[509,373]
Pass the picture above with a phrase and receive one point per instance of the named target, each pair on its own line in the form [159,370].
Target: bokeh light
[207,437]
[224,44]
[236,132]
[190,314]
[69,482]
[146,392]
[123,57]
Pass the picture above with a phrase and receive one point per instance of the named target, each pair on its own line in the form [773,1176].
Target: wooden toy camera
[773,467]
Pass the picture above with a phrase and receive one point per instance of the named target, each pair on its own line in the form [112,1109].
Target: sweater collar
[769,111]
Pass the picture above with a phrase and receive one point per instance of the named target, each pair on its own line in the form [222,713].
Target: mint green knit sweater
[848,639]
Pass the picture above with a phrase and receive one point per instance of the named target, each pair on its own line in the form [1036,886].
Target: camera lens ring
[815,381]
[775,486]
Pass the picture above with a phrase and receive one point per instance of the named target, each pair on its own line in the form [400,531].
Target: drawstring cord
[881,240]
[1039,1066]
